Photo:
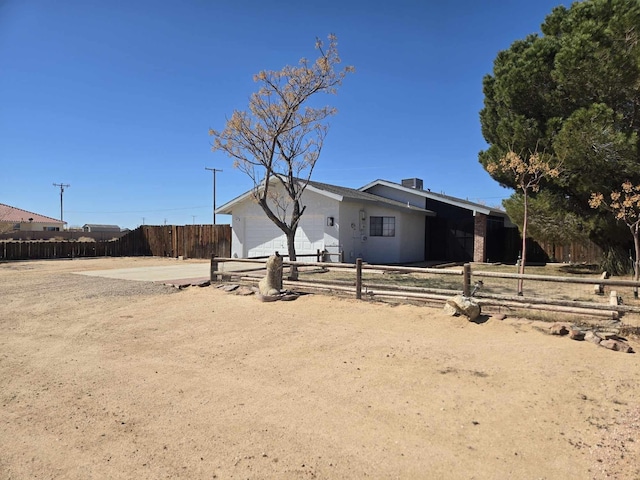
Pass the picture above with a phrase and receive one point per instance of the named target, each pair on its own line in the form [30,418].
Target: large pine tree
[574,93]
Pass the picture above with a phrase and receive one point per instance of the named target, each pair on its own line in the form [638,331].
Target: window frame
[384,226]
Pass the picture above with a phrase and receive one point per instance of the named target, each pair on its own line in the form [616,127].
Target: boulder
[461,305]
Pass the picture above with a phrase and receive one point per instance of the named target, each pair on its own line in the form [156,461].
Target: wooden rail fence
[357,287]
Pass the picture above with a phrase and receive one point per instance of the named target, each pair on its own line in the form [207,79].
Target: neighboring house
[92,227]
[345,222]
[16,219]
[460,231]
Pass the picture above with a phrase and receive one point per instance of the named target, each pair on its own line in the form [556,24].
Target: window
[382,226]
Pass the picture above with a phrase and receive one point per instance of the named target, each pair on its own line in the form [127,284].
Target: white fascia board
[335,196]
[227,208]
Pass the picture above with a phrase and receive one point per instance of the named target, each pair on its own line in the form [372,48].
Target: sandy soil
[104,378]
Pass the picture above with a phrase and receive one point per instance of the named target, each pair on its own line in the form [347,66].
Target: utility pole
[214,170]
[62,187]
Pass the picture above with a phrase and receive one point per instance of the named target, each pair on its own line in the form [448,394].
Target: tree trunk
[636,261]
[524,241]
[291,247]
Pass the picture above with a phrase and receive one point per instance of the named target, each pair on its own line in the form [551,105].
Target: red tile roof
[9,214]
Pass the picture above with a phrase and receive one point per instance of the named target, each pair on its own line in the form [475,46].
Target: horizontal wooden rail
[610,313]
[546,278]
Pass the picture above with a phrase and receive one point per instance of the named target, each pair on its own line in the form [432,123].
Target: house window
[382,226]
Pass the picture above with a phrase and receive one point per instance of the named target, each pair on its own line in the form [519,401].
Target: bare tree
[527,173]
[625,206]
[278,140]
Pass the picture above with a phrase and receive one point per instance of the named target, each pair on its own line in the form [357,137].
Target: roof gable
[458,202]
[9,214]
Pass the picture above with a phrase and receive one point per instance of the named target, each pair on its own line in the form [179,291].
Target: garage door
[263,238]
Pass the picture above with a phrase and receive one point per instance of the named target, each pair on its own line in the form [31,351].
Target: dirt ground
[104,378]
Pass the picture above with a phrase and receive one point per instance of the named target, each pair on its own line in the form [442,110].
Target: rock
[559,329]
[499,316]
[617,345]
[462,306]
[575,334]
[589,336]
[609,333]
[450,310]
[271,284]
[289,296]
[228,288]
[244,291]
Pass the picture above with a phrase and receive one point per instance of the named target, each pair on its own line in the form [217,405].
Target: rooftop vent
[412,183]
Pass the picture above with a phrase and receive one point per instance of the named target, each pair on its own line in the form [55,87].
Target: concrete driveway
[185,274]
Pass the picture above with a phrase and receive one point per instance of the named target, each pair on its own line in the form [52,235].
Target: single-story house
[16,219]
[460,231]
[94,227]
[382,222]
[344,222]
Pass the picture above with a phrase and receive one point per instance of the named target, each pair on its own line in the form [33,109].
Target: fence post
[358,278]
[318,255]
[466,280]
[214,267]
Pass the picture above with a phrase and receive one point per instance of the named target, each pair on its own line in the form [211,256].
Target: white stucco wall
[253,234]
[406,246]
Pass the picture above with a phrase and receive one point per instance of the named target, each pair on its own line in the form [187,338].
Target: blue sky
[116,97]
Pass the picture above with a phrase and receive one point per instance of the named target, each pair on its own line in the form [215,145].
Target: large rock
[461,305]
[616,345]
[271,284]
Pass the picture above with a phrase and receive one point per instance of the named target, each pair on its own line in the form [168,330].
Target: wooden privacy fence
[576,252]
[188,241]
[35,250]
[463,276]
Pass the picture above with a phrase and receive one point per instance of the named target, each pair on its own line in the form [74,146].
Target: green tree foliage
[549,220]
[574,93]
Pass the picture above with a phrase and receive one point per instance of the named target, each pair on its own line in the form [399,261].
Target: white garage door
[263,238]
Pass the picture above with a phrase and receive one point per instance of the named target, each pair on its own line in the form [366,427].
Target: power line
[140,211]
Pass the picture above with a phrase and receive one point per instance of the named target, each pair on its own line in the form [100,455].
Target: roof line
[438,197]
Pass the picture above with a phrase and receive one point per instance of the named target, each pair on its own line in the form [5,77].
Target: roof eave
[423,193]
